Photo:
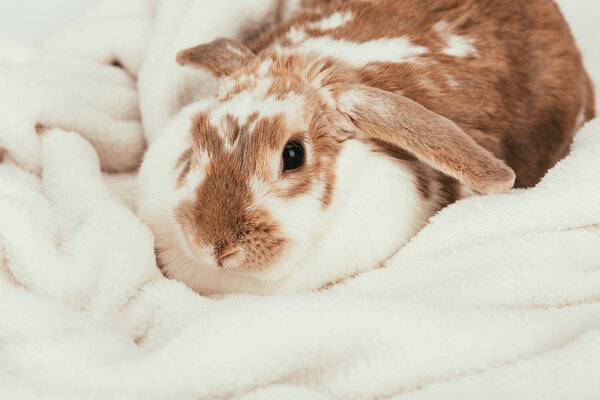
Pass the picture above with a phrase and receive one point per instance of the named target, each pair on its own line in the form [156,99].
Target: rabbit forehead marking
[261,100]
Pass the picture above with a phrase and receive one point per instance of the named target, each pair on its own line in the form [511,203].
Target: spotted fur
[403,108]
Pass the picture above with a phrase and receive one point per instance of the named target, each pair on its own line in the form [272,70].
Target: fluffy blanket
[498,297]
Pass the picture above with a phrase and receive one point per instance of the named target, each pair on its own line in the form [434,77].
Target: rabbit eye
[293,155]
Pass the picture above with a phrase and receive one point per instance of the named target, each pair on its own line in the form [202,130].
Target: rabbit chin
[375,210]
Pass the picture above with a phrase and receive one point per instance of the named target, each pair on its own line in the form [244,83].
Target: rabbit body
[336,134]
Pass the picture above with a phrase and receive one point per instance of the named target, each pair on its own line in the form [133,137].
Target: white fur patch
[335,20]
[396,50]
[347,100]
[193,179]
[263,69]
[457,46]
[259,189]
[235,51]
[466,192]
[296,35]
[451,81]
[580,119]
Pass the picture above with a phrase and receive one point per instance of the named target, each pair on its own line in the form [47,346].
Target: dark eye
[293,155]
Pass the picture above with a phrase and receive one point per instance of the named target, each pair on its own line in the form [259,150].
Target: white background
[30,20]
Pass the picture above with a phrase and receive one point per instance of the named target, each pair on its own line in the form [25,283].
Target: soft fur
[441,94]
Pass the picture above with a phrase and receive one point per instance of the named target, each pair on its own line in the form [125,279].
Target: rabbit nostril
[221,261]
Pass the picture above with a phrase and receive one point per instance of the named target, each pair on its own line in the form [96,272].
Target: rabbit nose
[227,260]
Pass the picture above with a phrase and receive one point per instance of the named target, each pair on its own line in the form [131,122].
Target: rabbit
[338,133]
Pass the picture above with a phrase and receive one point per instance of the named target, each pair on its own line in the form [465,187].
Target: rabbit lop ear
[431,138]
[221,56]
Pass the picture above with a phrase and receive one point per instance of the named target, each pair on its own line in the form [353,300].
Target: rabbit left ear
[221,56]
[430,137]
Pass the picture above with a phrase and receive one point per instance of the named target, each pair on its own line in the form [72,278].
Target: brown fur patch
[205,136]
[221,56]
[518,98]
[220,218]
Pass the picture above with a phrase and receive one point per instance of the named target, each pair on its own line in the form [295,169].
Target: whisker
[362,222]
[312,235]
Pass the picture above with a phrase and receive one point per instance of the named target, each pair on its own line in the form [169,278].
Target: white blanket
[497,298]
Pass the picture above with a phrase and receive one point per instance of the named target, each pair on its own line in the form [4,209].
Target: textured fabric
[498,297]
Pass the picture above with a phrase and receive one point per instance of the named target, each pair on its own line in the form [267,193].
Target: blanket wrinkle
[500,365]
[503,365]
[58,93]
[573,381]
[4,270]
[124,26]
[497,297]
